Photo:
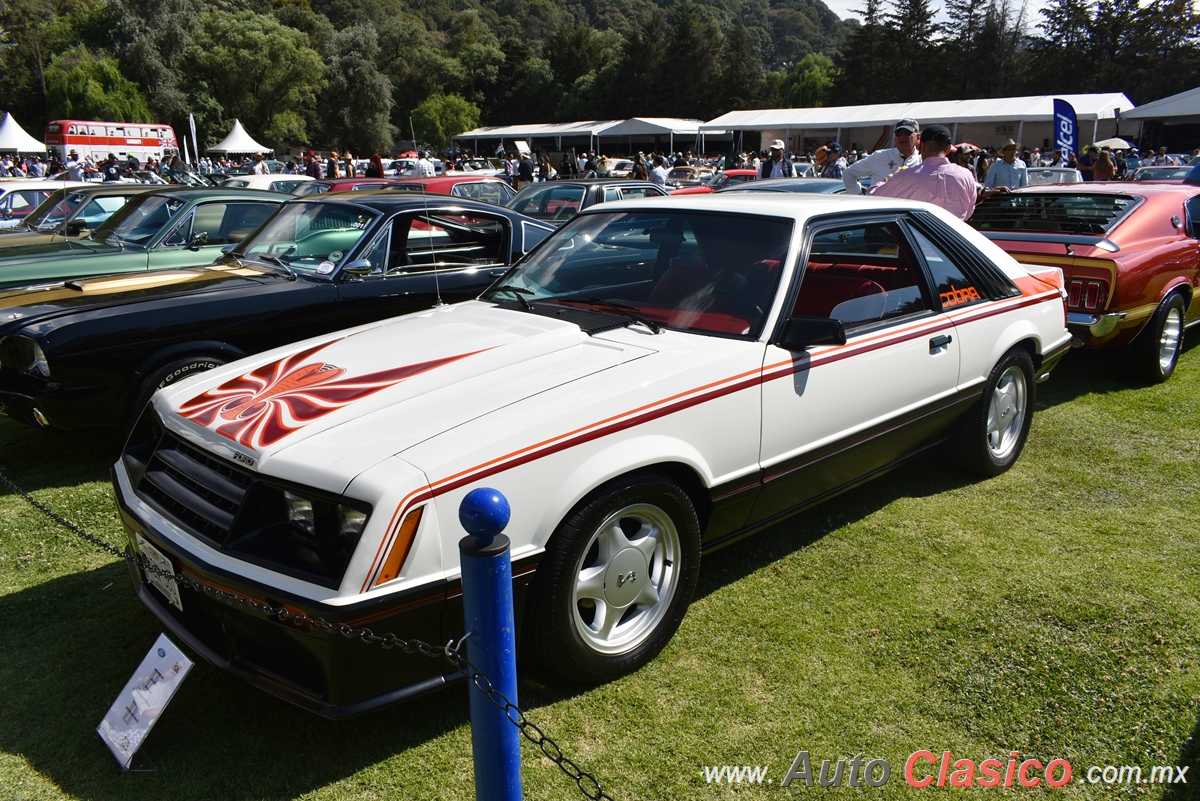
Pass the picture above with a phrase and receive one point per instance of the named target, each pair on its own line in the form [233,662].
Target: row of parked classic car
[312,385]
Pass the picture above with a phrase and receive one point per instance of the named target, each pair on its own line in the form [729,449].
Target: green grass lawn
[1053,611]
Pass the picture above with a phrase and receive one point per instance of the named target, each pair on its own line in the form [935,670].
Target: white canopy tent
[558,131]
[986,122]
[13,137]
[656,127]
[1174,110]
[238,141]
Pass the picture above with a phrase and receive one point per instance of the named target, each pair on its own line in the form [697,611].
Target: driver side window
[182,233]
[860,274]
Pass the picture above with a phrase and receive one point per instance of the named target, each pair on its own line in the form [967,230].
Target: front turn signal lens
[401,547]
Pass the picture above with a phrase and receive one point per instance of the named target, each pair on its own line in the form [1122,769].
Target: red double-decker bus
[98,139]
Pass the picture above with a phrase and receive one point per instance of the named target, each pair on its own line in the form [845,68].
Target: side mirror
[6,214]
[800,332]
[358,268]
[198,240]
[75,227]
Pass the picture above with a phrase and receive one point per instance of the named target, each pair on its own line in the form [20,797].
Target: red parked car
[342,185]
[486,188]
[719,181]
[1130,253]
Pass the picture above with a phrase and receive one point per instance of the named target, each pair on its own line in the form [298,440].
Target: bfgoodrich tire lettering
[616,579]
[992,434]
[165,376]
[1154,353]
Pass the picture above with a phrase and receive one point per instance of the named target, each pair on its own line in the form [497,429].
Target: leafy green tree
[82,85]
[691,54]
[810,83]
[1063,54]
[478,50]
[865,60]
[416,63]
[739,82]
[356,104]
[152,53]
[260,72]
[443,116]
[635,84]
[913,57]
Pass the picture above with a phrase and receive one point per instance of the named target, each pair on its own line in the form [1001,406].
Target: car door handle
[937,343]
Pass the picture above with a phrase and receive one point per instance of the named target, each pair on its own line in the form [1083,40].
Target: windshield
[309,237]
[54,209]
[139,220]
[548,201]
[1039,176]
[689,271]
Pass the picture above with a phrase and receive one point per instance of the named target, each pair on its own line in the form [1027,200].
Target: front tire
[1153,354]
[616,579]
[992,435]
[165,376]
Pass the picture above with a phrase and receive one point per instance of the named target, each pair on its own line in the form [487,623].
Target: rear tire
[992,435]
[165,376]
[616,579]
[1153,354]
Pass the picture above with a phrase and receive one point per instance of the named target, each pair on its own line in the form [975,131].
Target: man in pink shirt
[935,180]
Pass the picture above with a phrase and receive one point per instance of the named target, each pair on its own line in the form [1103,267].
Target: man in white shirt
[424,165]
[658,176]
[882,164]
[74,167]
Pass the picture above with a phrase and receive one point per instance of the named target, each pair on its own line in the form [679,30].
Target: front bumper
[327,674]
[49,404]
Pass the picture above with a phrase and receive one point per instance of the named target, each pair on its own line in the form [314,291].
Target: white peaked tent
[238,141]
[13,137]
[1176,109]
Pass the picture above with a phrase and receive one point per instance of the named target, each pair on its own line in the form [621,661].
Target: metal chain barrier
[588,785]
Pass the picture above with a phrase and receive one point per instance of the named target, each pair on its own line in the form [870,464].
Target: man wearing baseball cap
[778,165]
[883,163]
[935,180]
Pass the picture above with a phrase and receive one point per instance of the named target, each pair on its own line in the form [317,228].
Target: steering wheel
[743,303]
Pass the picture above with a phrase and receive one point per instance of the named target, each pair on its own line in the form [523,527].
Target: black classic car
[91,352]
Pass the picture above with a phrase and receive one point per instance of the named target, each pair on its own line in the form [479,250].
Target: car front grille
[200,491]
[235,510]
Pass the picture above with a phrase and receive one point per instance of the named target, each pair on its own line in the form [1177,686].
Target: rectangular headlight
[299,532]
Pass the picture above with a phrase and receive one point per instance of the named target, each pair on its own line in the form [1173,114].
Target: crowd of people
[923,164]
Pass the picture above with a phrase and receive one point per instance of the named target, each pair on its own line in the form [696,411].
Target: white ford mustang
[658,379]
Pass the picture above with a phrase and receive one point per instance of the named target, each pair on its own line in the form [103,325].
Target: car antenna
[437,287]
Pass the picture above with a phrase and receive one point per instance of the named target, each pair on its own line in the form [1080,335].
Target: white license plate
[162,583]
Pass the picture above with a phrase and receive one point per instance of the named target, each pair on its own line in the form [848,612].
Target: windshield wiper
[519,293]
[632,312]
[272,259]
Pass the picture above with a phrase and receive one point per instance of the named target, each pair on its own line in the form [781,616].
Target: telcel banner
[1066,128]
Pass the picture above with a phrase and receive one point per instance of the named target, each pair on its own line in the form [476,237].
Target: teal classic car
[167,228]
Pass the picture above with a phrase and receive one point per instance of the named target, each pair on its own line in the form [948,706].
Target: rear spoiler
[1101,242]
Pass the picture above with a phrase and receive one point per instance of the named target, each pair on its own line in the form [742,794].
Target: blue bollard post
[491,646]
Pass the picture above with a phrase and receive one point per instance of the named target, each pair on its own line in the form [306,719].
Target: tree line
[363,74]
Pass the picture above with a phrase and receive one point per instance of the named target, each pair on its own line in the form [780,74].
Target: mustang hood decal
[265,405]
[333,405]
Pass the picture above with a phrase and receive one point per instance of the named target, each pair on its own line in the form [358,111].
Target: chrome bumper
[1093,325]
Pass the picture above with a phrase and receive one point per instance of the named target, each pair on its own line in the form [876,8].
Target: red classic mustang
[1130,253]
